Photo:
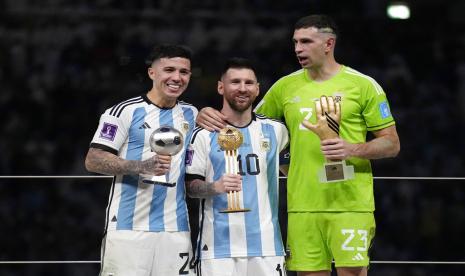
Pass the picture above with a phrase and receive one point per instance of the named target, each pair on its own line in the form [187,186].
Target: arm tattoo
[103,162]
[199,189]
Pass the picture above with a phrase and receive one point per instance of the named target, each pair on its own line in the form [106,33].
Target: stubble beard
[238,108]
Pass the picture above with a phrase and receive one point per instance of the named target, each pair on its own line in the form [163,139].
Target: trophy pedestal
[158,180]
[234,210]
[335,172]
[234,204]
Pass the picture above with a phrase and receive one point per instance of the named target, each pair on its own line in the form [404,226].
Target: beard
[239,107]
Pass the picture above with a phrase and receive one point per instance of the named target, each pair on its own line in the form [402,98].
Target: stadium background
[63,62]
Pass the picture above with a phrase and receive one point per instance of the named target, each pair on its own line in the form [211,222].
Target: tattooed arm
[199,188]
[104,162]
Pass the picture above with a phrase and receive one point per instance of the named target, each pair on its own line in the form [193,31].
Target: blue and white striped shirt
[125,130]
[254,233]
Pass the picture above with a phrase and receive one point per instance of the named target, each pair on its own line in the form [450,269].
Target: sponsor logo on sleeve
[108,131]
[384,110]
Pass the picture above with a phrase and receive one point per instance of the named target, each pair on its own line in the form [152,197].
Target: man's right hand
[156,165]
[211,119]
[228,183]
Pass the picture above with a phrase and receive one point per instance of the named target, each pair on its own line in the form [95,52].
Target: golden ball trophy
[230,139]
[328,113]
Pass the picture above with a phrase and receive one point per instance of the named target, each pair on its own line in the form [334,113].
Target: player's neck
[160,101]
[237,118]
[325,71]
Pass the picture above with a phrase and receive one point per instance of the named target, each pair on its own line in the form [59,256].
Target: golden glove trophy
[328,113]
[230,139]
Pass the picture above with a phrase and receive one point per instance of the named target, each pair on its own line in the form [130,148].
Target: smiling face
[239,88]
[313,47]
[170,77]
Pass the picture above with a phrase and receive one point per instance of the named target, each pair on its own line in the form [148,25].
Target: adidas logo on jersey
[358,257]
[144,126]
[114,219]
[205,248]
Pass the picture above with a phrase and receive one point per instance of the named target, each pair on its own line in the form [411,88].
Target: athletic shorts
[315,239]
[243,266]
[140,253]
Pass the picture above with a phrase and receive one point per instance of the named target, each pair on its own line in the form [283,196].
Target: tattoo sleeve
[103,162]
[200,189]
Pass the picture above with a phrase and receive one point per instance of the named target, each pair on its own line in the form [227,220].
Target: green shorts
[315,239]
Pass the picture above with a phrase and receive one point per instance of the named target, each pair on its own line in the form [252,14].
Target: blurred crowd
[62,64]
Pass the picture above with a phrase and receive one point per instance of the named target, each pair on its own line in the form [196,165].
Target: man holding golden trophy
[235,173]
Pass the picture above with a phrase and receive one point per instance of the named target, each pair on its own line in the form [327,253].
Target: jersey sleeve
[283,137]
[271,105]
[197,156]
[111,133]
[284,151]
[376,109]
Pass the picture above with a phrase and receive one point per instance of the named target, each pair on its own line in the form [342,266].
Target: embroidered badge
[189,156]
[265,144]
[185,126]
[108,131]
[384,110]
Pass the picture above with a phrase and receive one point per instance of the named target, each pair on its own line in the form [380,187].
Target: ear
[220,87]
[151,73]
[330,43]
[258,89]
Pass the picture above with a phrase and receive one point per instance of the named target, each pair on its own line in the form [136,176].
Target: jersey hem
[147,230]
[331,211]
[242,255]
[378,127]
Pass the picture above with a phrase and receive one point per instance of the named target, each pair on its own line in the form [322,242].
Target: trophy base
[154,182]
[335,172]
[235,210]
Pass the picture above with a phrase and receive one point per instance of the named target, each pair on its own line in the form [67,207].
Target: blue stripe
[129,182]
[273,185]
[249,187]
[181,207]
[221,238]
[157,208]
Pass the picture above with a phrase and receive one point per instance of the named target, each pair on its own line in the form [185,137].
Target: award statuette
[230,139]
[165,140]
[328,114]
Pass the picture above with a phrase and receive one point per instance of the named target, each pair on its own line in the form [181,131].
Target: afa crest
[265,144]
[185,126]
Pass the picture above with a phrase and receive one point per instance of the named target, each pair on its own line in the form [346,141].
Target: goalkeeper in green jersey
[328,108]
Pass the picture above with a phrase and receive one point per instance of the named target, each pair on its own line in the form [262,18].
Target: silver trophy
[165,140]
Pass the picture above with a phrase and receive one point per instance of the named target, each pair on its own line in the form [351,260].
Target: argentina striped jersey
[254,233]
[124,130]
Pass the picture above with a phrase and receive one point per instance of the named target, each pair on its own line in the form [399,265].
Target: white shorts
[244,266]
[140,253]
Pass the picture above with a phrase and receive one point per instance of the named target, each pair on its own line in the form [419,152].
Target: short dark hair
[238,63]
[168,51]
[322,22]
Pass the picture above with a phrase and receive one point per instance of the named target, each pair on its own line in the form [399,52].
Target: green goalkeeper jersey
[364,107]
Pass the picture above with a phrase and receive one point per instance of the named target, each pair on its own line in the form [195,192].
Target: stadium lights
[398,10]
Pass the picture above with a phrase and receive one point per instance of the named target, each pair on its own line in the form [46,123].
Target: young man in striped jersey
[239,243]
[147,230]
[327,220]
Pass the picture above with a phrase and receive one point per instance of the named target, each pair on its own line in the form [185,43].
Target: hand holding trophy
[165,140]
[230,139]
[328,113]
